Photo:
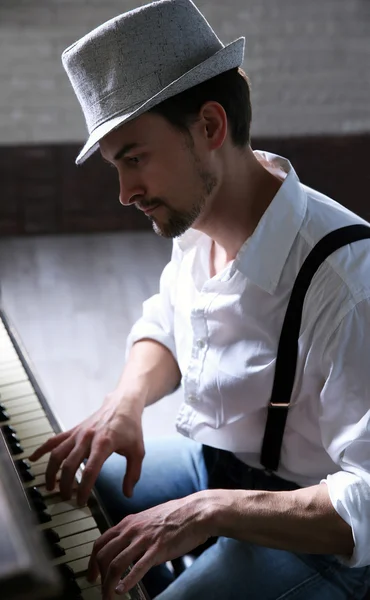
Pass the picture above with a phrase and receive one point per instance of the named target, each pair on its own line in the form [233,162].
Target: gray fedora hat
[134,61]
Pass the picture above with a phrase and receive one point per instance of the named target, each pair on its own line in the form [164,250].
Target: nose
[128,191]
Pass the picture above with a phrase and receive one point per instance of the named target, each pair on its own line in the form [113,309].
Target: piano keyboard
[69,531]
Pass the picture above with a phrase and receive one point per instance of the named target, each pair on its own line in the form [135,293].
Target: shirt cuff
[350,496]
[144,329]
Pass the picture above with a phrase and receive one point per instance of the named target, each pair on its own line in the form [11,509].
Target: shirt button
[201,343]
[192,399]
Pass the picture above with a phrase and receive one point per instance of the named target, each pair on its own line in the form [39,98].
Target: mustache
[145,205]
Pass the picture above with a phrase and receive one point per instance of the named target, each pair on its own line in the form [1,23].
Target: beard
[180,221]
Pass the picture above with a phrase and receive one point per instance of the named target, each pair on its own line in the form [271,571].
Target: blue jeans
[229,569]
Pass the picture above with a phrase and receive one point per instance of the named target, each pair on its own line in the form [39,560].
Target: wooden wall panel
[42,190]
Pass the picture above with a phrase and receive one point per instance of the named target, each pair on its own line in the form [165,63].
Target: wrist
[219,505]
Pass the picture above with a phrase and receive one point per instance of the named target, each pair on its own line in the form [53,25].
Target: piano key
[36,440]
[76,527]
[84,584]
[92,593]
[33,429]
[22,408]
[39,480]
[38,468]
[68,517]
[56,506]
[28,417]
[16,390]
[4,417]
[77,552]
[79,566]
[13,402]
[72,530]
[43,517]
[95,593]
[13,374]
[80,538]
[57,550]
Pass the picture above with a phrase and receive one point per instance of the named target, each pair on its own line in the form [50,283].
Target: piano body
[45,543]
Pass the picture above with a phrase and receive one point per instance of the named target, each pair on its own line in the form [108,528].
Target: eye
[133,160]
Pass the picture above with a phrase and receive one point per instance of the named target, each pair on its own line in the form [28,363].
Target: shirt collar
[263,256]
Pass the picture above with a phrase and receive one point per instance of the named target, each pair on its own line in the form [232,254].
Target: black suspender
[286,360]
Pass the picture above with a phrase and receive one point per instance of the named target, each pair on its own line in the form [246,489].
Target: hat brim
[227,58]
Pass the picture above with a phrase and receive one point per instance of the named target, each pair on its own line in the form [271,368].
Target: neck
[247,190]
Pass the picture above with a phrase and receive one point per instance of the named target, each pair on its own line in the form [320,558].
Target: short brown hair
[230,89]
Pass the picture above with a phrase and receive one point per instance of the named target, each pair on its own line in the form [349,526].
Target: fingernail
[120,589]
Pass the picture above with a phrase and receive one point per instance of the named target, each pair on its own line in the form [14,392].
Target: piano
[45,543]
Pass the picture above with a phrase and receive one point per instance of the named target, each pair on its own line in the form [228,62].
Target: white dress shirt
[224,332]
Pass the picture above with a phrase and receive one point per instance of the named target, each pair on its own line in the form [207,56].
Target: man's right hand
[115,427]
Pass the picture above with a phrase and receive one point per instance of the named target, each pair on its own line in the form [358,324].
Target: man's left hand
[147,539]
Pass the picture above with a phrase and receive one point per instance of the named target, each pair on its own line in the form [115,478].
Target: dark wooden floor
[73,300]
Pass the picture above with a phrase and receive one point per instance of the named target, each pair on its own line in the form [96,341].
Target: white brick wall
[309,63]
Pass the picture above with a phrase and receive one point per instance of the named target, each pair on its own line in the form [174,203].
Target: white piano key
[81,551]
[30,448]
[28,417]
[13,374]
[38,481]
[95,593]
[57,505]
[13,411]
[33,429]
[38,468]
[80,538]
[23,401]
[68,517]
[84,584]
[16,390]
[7,352]
[79,566]
[92,593]
[76,527]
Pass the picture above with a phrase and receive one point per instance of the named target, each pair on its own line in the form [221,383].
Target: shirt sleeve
[345,425]
[157,318]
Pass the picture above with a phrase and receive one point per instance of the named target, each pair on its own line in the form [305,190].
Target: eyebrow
[126,148]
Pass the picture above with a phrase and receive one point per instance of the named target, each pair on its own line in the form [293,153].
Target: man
[169,107]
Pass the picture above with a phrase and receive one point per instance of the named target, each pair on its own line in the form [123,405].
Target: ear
[213,120]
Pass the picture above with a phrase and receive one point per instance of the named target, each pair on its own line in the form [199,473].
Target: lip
[149,210]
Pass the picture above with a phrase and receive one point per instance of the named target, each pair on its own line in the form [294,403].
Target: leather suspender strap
[286,359]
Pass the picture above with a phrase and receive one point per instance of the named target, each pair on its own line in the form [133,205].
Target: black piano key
[4,416]
[11,438]
[23,465]
[34,494]
[26,476]
[16,449]
[51,536]
[8,430]
[72,587]
[43,517]
[38,505]
[66,573]
[57,550]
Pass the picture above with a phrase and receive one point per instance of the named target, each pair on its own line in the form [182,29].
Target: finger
[108,555]
[93,570]
[119,566]
[99,452]
[72,462]
[49,445]
[132,475]
[56,458]
[136,574]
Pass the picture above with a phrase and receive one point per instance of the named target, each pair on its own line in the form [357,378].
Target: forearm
[150,373]
[298,521]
